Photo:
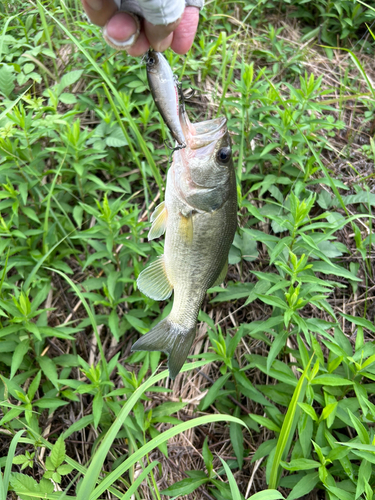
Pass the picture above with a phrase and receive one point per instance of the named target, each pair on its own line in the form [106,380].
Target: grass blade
[90,315]
[157,441]
[133,488]
[8,465]
[93,471]
[286,430]
[236,495]
[142,143]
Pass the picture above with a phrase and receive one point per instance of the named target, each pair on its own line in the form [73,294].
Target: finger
[184,34]
[159,35]
[99,11]
[140,47]
[122,30]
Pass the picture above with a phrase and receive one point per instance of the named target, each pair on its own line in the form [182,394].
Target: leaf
[18,356]
[30,213]
[265,422]
[301,464]
[360,321]
[6,80]
[213,392]
[21,483]
[360,446]
[67,98]
[360,428]
[364,475]
[264,449]
[69,79]
[236,438]
[266,495]
[49,369]
[340,493]
[97,408]
[116,139]
[235,492]
[184,487]
[167,409]
[286,433]
[50,403]
[65,469]
[135,485]
[207,456]
[331,380]
[58,452]
[309,410]
[4,481]
[278,343]
[323,267]
[272,301]
[304,486]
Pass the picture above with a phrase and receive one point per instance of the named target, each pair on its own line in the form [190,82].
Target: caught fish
[164,89]
[199,218]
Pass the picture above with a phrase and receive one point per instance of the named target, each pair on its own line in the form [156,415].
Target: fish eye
[151,61]
[224,155]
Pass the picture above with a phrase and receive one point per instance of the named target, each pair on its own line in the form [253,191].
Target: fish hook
[189,94]
[173,149]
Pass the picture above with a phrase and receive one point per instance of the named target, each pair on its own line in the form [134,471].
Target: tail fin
[171,338]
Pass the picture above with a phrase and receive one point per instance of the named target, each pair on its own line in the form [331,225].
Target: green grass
[276,399]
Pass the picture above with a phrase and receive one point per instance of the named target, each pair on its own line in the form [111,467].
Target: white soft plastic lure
[164,89]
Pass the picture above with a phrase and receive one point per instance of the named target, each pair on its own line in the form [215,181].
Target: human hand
[122,29]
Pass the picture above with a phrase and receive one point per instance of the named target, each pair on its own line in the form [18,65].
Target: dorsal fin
[159,222]
[153,281]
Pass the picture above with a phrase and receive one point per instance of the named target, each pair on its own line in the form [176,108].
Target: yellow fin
[153,281]
[157,211]
[222,275]
[159,222]
[186,227]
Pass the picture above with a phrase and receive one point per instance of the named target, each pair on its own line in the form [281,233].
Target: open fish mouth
[203,133]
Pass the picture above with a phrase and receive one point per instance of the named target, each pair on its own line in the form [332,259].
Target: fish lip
[203,133]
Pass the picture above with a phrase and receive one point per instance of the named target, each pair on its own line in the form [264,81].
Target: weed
[279,394]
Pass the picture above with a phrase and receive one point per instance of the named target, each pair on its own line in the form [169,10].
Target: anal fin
[153,281]
[222,275]
[159,222]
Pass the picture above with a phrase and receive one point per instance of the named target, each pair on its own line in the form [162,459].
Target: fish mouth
[204,133]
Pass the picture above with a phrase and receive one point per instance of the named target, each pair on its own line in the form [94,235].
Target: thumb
[99,11]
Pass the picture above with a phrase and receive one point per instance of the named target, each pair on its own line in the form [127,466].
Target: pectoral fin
[159,222]
[222,275]
[158,210]
[186,228]
[153,281]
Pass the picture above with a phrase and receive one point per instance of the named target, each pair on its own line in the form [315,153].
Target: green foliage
[81,167]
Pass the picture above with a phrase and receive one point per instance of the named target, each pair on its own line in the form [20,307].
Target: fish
[165,92]
[199,219]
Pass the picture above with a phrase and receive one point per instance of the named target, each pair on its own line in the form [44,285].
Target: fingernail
[121,32]
[95,4]
[162,45]
[120,44]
